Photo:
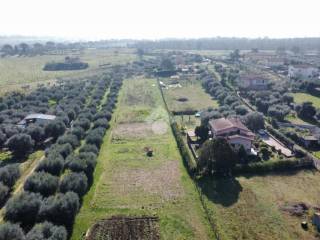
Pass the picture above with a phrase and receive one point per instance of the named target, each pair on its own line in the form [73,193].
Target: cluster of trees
[25,49]
[222,43]
[276,103]
[217,157]
[15,106]
[52,194]
[230,104]
[68,64]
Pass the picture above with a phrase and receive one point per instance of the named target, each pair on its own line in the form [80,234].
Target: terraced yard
[128,182]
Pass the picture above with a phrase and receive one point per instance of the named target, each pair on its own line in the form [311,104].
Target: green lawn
[17,71]
[197,98]
[249,207]
[127,182]
[304,97]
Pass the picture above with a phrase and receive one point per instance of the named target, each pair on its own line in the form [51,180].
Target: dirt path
[19,184]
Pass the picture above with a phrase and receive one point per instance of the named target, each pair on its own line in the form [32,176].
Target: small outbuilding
[36,118]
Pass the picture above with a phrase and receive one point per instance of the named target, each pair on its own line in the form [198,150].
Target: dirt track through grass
[128,182]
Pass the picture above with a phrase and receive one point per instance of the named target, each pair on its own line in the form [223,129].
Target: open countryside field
[17,71]
[128,182]
[196,98]
[304,97]
[253,207]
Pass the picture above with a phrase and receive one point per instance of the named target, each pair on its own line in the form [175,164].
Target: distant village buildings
[253,81]
[303,71]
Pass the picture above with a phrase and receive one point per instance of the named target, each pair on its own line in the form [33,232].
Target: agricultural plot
[264,207]
[187,96]
[130,183]
[18,71]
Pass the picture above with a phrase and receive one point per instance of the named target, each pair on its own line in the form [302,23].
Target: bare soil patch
[124,228]
[163,181]
[139,130]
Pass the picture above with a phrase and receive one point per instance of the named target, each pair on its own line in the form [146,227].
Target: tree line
[222,43]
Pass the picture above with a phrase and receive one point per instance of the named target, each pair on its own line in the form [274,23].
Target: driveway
[271,141]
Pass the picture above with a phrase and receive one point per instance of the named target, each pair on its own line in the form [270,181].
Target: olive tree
[47,230]
[43,183]
[9,231]
[20,144]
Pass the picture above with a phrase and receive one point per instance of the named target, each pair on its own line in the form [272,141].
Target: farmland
[195,97]
[17,71]
[249,207]
[128,182]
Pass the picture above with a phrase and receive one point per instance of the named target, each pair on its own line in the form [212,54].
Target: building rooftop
[225,123]
[40,116]
[253,76]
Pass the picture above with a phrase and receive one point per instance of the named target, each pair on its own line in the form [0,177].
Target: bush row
[187,158]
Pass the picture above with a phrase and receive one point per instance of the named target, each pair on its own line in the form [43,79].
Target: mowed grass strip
[304,97]
[250,207]
[128,182]
[196,98]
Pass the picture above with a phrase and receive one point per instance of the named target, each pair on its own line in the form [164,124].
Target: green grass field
[17,71]
[197,98]
[304,97]
[127,182]
[249,207]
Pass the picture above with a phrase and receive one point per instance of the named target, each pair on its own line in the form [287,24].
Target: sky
[156,19]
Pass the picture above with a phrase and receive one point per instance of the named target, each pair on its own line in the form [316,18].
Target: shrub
[75,182]
[69,138]
[9,175]
[71,115]
[105,114]
[89,148]
[83,123]
[9,231]
[64,150]
[36,133]
[84,162]
[60,208]
[254,121]
[95,137]
[78,132]
[101,122]
[47,230]
[23,208]
[55,129]
[4,192]
[91,161]
[43,183]
[187,158]
[20,144]
[52,164]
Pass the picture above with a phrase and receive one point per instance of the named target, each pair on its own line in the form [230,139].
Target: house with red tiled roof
[232,129]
